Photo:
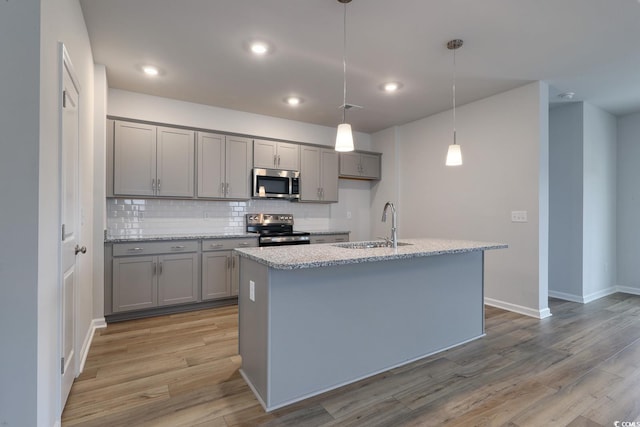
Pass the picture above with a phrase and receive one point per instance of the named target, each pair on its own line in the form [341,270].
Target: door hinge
[63,233]
[62,365]
[64,99]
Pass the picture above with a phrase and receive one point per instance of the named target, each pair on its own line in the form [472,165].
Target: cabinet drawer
[329,238]
[150,248]
[228,244]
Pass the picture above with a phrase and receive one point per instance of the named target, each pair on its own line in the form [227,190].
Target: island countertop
[331,254]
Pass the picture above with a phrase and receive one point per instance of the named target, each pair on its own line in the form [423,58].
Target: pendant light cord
[344,67]
[454,96]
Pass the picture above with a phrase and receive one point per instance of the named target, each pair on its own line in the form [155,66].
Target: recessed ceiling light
[293,100]
[259,48]
[391,87]
[567,95]
[150,70]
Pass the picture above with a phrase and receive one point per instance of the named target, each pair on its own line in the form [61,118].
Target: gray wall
[599,214]
[628,203]
[29,168]
[19,113]
[582,250]
[565,201]
[504,141]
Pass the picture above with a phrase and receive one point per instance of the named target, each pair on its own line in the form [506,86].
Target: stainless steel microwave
[276,184]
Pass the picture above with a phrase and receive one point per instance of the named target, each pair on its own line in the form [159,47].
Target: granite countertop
[194,236]
[198,236]
[311,256]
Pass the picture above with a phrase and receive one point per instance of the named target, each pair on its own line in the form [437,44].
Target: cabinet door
[216,277]
[264,154]
[134,159]
[235,274]
[350,164]
[134,283]
[310,174]
[175,168]
[288,156]
[329,175]
[370,165]
[211,165]
[177,279]
[238,161]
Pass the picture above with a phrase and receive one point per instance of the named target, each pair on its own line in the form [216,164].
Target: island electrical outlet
[252,290]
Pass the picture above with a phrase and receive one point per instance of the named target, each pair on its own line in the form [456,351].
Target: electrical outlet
[519,216]
[348,214]
[252,290]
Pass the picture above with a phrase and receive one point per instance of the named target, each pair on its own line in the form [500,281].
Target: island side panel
[253,326]
[334,325]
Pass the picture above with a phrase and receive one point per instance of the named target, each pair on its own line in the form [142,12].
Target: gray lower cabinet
[154,274]
[220,267]
[329,238]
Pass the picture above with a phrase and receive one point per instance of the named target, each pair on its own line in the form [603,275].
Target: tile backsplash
[151,217]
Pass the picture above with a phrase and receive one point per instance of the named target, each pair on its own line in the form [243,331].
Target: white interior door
[69,203]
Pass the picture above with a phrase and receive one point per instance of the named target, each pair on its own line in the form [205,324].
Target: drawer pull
[218,245]
[320,240]
[135,249]
[340,239]
[177,247]
[244,244]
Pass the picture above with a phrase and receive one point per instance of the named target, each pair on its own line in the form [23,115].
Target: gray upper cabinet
[318,174]
[152,161]
[134,159]
[224,166]
[276,155]
[360,165]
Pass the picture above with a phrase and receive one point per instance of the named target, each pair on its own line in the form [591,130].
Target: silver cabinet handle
[229,262]
[135,249]
[160,267]
[244,244]
[218,245]
[278,159]
[320,240]
[340,239]
[233,262]
[158,186]
[153,184]
[275,160]
[226,189]
[177,247]
[153,267]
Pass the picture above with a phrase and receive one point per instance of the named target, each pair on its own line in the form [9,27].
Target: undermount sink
[368,245]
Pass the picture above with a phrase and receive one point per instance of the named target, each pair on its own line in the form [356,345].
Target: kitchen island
[314,318]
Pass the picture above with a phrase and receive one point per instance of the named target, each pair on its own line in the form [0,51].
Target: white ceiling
[583,46]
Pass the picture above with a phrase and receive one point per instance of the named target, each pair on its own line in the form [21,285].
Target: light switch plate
[519,216]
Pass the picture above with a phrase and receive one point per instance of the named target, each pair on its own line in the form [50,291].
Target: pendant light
[344,136]
[454,154]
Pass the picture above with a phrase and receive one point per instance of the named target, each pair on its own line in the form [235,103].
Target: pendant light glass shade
[344,138]
[454,155]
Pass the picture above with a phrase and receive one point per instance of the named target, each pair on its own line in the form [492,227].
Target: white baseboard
[587,298]
[538,314]
[597,295]
[565,296]
[628,290]
[57,424]
[95,324]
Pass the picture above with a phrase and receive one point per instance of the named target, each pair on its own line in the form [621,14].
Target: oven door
[283,240]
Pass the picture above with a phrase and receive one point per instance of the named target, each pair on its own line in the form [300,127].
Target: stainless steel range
[275,230]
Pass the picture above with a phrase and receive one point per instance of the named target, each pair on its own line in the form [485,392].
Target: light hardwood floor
[580,367]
